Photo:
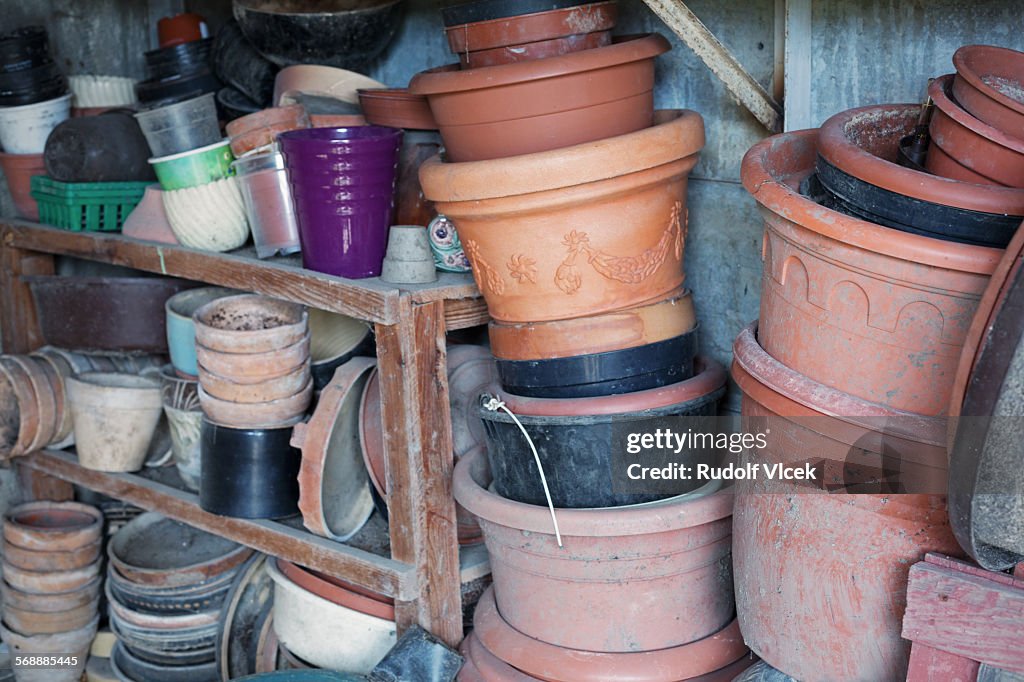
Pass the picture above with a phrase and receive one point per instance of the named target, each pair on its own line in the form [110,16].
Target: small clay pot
[260,129]
[974,144]
[27,408]
[542,49]
[495,112]
[255,367]
[265,415]
[18,170]
[396,108]
[43,623]
[52,526]
[54,377]
[989,84]
[181,28]
[249,323]
[571,258]
[46,402]
[531,28]
[51,603]
[72,643]
[408,259]
[46,560]
[49,582]
[277,388]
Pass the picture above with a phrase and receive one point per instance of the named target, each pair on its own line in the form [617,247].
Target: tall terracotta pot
[642,578]
[875,312]
[821,578]
[18,170]
[576,231]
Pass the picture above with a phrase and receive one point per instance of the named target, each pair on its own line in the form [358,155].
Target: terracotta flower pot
[824,600]
[989,84]
[249,323]
[260,129]
[500,111]
[278,388]
[51,603]
[52,526]
[43,396]
[50,582]
[257,415]
[23,419]
[18,170]
[627,573]
[833,283]
[396,108]
[973,143]
[531,28]
[42,623]
[942,164]
[72,643]
[544,231]
[255,367]
[542,49]
[48,560]
[55,378]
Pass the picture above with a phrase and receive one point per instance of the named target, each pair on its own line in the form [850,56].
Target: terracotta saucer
[46,401]
[52,526]
[28,408]
[338,591]
[50,368]
[322,81]
[531,28]
[541,49]
[396,108]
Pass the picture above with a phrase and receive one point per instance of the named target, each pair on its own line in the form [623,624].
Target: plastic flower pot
[833,283]
[210,217]
[177,61]
[544,231]
[496,112]
[263,181]
[640,578]
[989,84]
[24,129]
[184,426]
[23,48]
[115,416]
[18,170]
[180,126]
[105,148]
[181,28]
[181,330]
[342,182]
[37,83]
[241,66]
[93,92]
[194,167]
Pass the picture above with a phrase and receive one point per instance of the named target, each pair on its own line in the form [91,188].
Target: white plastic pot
[24,129]
[209,217]
[102,91]
[326,634]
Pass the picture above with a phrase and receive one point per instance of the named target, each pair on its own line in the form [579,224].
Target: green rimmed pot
[194,167]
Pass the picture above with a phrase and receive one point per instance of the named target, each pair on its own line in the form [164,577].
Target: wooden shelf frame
[411,323]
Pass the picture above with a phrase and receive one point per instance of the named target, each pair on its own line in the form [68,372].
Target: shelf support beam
[717,57]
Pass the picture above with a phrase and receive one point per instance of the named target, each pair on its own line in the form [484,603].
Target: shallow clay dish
[396,108]
[338,592]
[257,415]
[542,49]
[277,388]
[51,560]
[249,323]
[28,409]
[46,401]
[50,582]
[989,84]
[255,367]
[52,526]
[260,129]
[532,27]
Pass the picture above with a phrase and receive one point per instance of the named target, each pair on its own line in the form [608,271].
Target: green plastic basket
[89,206]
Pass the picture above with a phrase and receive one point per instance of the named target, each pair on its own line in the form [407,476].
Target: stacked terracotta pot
[51,586]
[873,272]
[34,411]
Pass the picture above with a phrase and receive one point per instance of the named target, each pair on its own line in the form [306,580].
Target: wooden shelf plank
[380,574]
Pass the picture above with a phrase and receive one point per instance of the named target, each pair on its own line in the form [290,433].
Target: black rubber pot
[621,371]
[24,48]
[133,669]
[576,451]
[109,147]
[183,87]
[179,60]
[238,64]
[860,199]
[232,104]
[248,473]
[486,10]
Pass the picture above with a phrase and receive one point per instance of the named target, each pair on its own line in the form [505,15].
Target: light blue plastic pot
[181,331]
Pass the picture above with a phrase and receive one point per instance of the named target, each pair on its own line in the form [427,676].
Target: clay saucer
[396,108]
[28,409]
[46,401]
[989,84]
[541,49]
[52,370]
[531,28]
[52,526]
[250,323]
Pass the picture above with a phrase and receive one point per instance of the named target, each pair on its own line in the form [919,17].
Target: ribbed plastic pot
[343,182]
[821,578]
[18,170]
[500,111]
[875,312]
[543,231]
[989,84]
[637,579]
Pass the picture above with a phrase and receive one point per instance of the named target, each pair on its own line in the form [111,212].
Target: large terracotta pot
[875,312]
[627,579]
[973,143]
[579,231]
[499,111]
[18,170]
[821,578]
[988,84]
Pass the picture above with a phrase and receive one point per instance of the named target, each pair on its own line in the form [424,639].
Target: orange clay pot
[821,578]
[261,128]
[18,169]
[875,312]
[578,231]
[989,84]
[974,144]
[665,319]
[626,580]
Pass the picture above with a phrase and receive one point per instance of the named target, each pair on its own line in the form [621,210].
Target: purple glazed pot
[343,186]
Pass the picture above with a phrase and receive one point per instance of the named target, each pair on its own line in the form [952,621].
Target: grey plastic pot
[180,126]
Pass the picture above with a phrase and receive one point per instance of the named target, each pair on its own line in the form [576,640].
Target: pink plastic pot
[626,580]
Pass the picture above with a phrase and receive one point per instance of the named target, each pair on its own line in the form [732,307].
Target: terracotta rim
[265,118]
[939,91]
[559,664]
[968,58]
[258,415]
[534,27]
[249,368]
[396,108]
[610,522]
[50,622]
[540,49]
[942,164]
[19,531]
[848,157]
[50,582]
[56,560]
[629,49]
[28,408]
[139,619]
[677,134]
[46,402]
[337,593]
[45,603]
[778,193]
[244,342]
[371,435]
[64,424]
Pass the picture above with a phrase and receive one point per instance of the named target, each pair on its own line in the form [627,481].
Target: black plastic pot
[181,87]
[238,64]
[33,78]
[620,371]
[234,104]
[860,199]
[24,48]
[133,669]
[168,601]
[576,452]
[248,473]
[109,147]
[486,10]
[179,60]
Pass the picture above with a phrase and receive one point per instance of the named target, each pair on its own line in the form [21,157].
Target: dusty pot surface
[249,323]
[50,582]
[541,49]
[51,603]
[74,642]
[47,560]
[276,388]
[989,84]
[550,24]
[52,526]
[974,144]
[40,622]
[833,283]
[55,377]
[628,572]
[255,368]
[45,400]
[115,416]
[257,415]
[18,170]
[514,218]
[500,111]
[21,423]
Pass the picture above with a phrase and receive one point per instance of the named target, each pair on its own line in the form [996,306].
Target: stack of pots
[166,586]
[51,586]
[261,174]
[91,94]
[34,407]
[254,385]
[193,164]
[33,100]
[873,272]
[178,70]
